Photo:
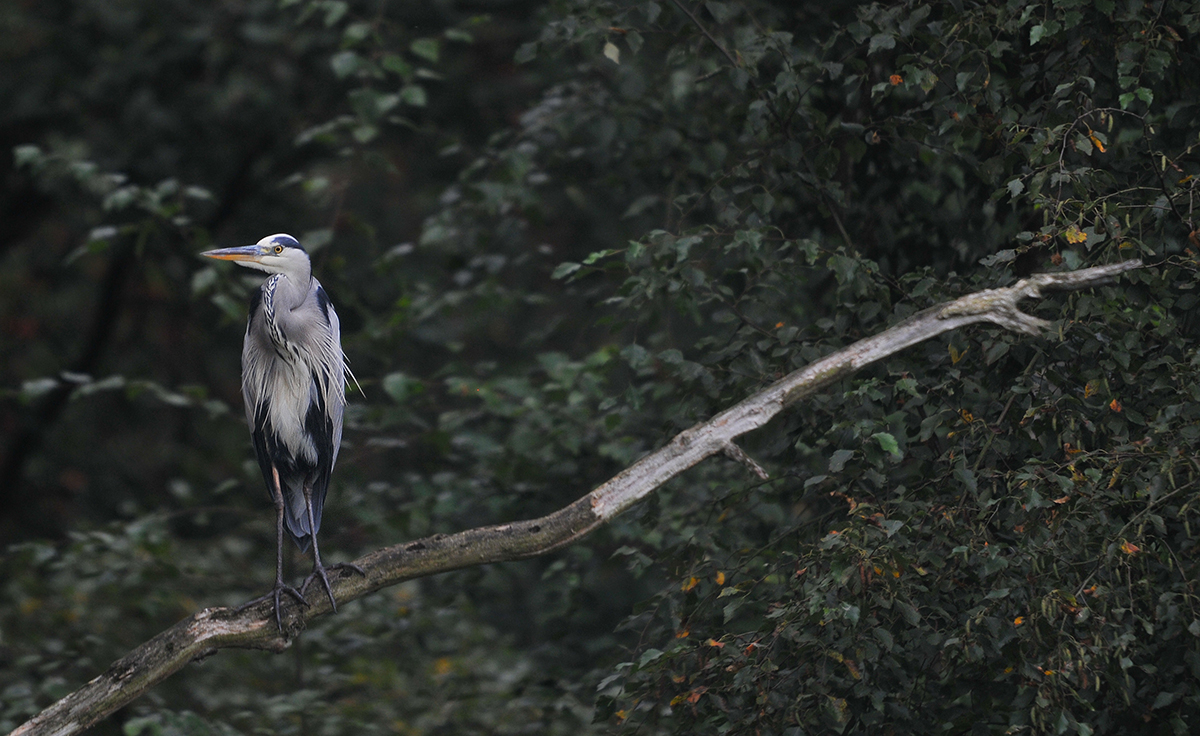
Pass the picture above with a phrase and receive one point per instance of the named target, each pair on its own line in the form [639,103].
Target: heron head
[274,254]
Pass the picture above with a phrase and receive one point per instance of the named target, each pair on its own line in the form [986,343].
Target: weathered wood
[254,628]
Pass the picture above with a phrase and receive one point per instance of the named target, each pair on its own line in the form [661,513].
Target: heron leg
[280,586]
[319,570]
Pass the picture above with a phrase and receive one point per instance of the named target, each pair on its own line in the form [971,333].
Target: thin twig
[704,30]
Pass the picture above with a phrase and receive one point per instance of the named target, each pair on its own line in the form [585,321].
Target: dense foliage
[557,234]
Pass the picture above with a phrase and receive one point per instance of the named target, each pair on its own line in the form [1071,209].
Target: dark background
[556,234]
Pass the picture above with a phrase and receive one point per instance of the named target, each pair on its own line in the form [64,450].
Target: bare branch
[736,453]
[213,629]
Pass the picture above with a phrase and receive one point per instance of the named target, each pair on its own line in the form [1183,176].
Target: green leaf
[27,155]
[345,63]
[37,387]
[1003,256]
[1164,699]
[565,269]
[1042,31]
[838,460]
[881,42]
[967,477]
[365,133]
[413,95]
[334,11]
[885,638]
[396,64]
[723,12]
[356,32]
[400,386]
[315,240]
[635,41]
[526,53]
[649,656]
[909,613]
[597,255]
[888,443]
[426,48]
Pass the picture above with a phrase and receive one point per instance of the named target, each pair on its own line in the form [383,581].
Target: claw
[319,572]
[274,595]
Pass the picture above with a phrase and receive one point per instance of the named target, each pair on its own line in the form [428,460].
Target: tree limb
[213,629]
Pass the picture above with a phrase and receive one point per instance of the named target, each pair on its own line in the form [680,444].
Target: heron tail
[295,515]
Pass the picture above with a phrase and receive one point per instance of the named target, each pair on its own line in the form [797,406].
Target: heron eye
[278,249]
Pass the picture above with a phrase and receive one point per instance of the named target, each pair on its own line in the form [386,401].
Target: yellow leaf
[854,672]
[720,578]
[1018,620]
[690,583]
[1074,235]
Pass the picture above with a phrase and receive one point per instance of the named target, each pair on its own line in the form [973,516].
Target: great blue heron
[294,387]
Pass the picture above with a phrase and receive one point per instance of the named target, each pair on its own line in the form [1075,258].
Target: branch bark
[212,629]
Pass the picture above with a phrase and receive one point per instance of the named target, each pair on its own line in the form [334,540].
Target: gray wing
[334,360]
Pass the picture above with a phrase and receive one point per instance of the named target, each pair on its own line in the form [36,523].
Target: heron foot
[279,589]
[347,566]
[319,572]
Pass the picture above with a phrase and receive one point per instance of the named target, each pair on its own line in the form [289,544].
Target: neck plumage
[279,296]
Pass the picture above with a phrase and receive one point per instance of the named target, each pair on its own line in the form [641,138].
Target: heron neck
[280,295]
[283,293]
